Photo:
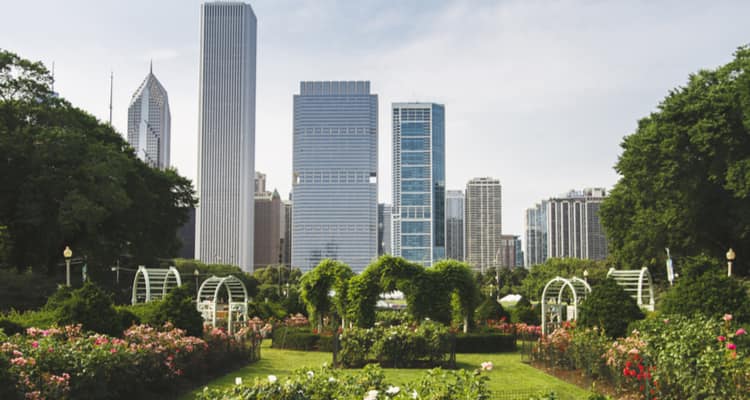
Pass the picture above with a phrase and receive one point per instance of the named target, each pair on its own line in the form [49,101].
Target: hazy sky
[537,93]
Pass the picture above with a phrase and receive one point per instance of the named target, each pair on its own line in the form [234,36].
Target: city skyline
[149,122]
[574,63]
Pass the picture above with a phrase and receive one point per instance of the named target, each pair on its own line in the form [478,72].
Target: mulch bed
[576,377]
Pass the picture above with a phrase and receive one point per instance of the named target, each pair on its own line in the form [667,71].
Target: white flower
[371,395]
[238,381]
[414,394]
[331,379]
[487,366]
[272,378]
[393,390]
[310,374]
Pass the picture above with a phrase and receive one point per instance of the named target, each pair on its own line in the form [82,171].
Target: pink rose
[35,344]
[721,338]
[740,332]
[727,317]
[731,346]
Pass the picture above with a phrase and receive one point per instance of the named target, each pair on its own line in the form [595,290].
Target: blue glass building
[335,163]
[419,182]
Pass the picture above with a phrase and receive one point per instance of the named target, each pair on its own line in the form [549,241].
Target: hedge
[300,339]
[485,343]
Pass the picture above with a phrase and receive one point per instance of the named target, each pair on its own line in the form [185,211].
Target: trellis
[637,283]
[553,301]
[152,284]
[208,300]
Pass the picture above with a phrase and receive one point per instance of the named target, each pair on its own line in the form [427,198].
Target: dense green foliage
[179,309]
[91,307]
[541,274]
[24,290]
[485,343]
[69,179]
[296,338]
[711,294]
[610,308]
[187,268]
[526,312]
[491,309]
[686,173]
[266,310]
[317,284]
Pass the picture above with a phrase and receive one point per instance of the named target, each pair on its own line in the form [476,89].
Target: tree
[69,179]
[610,308]
[685,173]
[539,275]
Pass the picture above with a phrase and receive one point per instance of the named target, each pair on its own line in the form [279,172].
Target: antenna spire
[111,86]
[151,67]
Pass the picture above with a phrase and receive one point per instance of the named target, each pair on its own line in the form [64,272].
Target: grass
[508,374]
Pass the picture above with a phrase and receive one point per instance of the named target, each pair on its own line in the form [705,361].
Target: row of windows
[334,228]
[416,212]
[411,114]
[335,177]
[409,143]
[415,129]
[418,255]
[415,186]
[415,172]
[334,131]
[415,199]
[415,227]
[415,240]
[415,158]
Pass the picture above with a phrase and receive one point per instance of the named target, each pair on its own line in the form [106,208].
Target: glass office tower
[419,182]
[335,163]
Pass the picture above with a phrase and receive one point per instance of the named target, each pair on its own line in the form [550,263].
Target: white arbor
[211,305]
[637,283]
[152,284]
[554,299]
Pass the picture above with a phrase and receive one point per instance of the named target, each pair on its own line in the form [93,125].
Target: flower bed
[676,358]
[368,384]
[66,363]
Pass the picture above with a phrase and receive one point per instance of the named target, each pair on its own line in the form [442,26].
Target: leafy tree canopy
[69,179]
[686,173]
[609,307]
[541,274]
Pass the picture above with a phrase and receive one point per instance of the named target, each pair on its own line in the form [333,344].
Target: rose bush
[67,363]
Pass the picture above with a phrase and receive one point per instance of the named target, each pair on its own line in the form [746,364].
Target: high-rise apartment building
[511,251]
[384,228]
[335,182]
[419,182]
[226,138]
[566,226]
[149,122]
[454,224]
[483,223]
[267,244]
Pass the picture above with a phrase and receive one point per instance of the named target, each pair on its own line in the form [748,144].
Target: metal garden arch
[552,300]
[637,283]
[208,300]
[152,284]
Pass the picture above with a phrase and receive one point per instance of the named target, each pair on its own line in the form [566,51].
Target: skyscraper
[483,223]
[226,138]
[419,182]
[384,228]
[335,183]
[566,226]
[267,243]
[511,253]
[454,224]
[286,233]
[149,122]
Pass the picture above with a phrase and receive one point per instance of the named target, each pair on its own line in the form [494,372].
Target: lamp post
[586,275]
[196,274]
[67,253]
[730,259]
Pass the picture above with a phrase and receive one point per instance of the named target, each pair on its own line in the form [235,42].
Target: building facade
[186,234]
[483,219]
[286,233]
[149,122]
[454,224]
[384,228]
[260,182]
[566,226]
[419,182]
[335,182]
[511,251]
[226,138]
[268,211]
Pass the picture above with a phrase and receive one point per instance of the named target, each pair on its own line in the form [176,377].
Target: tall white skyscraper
[335,164]
[483,223]
[226,138]
[149,122]
[419,182]
[454,224]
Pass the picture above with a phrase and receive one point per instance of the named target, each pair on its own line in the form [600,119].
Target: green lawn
[508,374]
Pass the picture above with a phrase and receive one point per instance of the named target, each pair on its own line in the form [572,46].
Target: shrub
[490,309]
[266,310]
[10,328]
[524,312]
[179,309]
[399,345]
[586,350]
[610,308]
[392,317]
[710,293]
[24,290]
[369,383]
[294,338]
[41,318]
[485,343]
[92,308]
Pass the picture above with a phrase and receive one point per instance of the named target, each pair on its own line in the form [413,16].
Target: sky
[537,93]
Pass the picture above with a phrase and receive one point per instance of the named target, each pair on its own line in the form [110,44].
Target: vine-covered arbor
[554,299]
[637,283]
[211,304]
[152,284]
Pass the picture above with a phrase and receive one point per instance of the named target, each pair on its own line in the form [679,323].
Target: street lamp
[586,275]
[730,259]
[67,253]
[196,274]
